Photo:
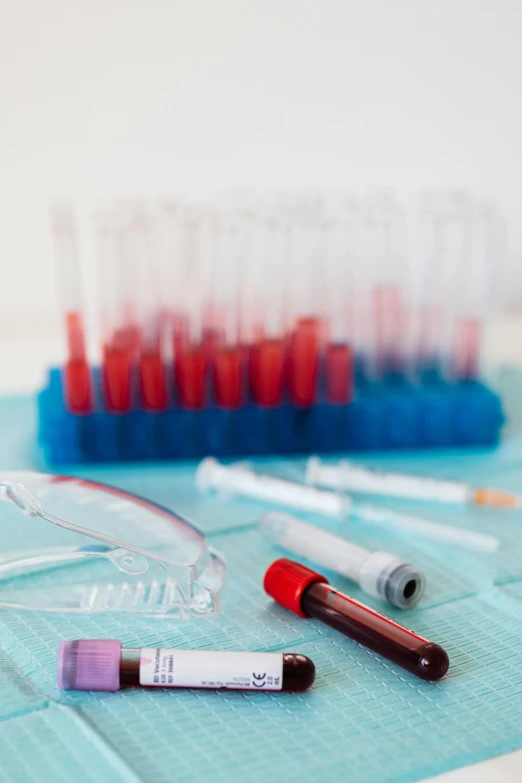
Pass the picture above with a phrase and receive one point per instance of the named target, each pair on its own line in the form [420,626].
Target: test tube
[268,353]
[340,300]
[77,374]
[117,325]
[308,594]
[380,574]
[384,251]
[307,257]
[477,289]
[229,360]
[191,351]
[142,265]
[104,665]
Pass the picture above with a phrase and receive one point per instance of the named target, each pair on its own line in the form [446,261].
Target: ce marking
[257,680]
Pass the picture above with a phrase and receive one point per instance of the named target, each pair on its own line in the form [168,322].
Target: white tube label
[171,668]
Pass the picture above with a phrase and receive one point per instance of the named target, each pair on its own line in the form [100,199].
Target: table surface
[25,358]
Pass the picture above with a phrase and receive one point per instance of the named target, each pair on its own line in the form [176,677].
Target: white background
[152,97]
[119,97]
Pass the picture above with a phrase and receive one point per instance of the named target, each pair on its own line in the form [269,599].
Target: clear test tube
[306,300]
[142,264]
[191,349]
[447,226]
[118,333]
[340,298]
[230,357]
[268,353]
[384,223]
[478,285]
[77,374]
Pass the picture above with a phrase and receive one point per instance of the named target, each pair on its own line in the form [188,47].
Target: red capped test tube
[231,268]
[482,269]
[308,594]
[307,255]
[143,266]
[117,322]
[384,253]
[340,305]
[268,351]
[190,335]
[77,373]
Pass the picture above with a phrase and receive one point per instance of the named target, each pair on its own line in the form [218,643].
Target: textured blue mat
[365,719]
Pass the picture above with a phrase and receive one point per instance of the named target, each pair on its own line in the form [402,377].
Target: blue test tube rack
[388,415]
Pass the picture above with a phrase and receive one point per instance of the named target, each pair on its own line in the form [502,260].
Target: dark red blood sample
[117,368]
[304,361]
[78,387]
[467,349]
[308,594]
[191,371]
[228,377]
[267,363]
[153,382]
[339,373]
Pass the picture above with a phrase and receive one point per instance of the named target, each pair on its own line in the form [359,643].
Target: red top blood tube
[308,594]
[229,356]
[77,374]
[340,301]
[266,309]
[303,362]
[467,349]
[339,373]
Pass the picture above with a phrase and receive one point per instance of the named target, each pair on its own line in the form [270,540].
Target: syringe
[345,476]
[240,480]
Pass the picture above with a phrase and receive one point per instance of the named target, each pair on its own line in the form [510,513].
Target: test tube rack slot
[388,415]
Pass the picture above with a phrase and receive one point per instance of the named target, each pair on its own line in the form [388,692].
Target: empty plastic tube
[380,574]
[240,480]
[345,476]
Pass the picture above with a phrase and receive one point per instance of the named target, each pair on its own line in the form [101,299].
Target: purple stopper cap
[89,665]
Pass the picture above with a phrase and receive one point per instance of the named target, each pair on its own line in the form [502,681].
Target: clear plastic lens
[97,549]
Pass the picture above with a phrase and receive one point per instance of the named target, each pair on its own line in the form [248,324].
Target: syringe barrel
[345,476]
[380,574]
[239,480]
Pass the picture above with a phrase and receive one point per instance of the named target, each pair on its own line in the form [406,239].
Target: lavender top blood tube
[103,665]
[308,594]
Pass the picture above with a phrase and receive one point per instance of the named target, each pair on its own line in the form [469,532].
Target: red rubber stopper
[339,373]
[228,365]
[153,383]
[190,372]
[78,387]
[285,581]
[267,362]
[117,369]
[304,361]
